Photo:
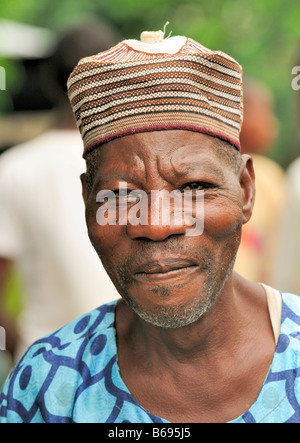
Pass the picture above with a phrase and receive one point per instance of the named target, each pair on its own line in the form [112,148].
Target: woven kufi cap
[153,85]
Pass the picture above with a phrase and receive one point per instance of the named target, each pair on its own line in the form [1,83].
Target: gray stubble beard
[169,317]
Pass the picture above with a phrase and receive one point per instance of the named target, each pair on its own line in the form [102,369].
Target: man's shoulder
[291,304]
[44,384]
[76,343]
[290,325]
[82,330]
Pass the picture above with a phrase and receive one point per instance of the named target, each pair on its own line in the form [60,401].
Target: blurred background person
[42,226]
[287,269]
[256,256]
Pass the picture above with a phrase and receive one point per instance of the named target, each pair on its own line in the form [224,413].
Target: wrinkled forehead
[178,152]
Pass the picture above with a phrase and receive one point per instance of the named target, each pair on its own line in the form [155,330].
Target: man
[190,341]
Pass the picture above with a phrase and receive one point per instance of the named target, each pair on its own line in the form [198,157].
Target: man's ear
[247,182]
[84,187]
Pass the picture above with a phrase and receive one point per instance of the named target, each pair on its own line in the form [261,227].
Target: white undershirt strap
[275,309]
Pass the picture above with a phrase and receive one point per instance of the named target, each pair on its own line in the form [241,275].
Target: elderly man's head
[145,131]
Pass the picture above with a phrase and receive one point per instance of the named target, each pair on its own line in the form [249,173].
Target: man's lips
[170,268]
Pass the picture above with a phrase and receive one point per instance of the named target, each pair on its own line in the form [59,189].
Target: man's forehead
[178,151]
[198,151]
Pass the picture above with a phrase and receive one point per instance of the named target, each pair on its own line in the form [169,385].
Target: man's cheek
[102,237]
[221,224]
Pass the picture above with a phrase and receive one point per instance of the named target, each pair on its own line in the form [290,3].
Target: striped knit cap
[139,86]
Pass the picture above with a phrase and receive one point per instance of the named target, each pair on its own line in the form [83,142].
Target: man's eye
[121,193]
[127,195]
[197,186]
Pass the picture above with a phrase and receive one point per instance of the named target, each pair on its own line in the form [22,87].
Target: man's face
[169,278]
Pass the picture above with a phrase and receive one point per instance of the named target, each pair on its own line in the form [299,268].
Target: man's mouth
[166,269]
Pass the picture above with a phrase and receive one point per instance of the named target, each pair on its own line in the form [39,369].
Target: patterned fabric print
[72,376]
[117,92]
[279,399]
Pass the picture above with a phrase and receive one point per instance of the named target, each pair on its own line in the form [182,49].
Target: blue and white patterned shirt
[72,376]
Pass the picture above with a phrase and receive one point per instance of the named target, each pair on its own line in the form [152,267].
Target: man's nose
[154,232]
[161,220]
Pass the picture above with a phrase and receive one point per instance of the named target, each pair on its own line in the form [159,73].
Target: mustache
[145,252]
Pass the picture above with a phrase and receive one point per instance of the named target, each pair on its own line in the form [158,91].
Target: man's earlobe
[84,187]
[247,182]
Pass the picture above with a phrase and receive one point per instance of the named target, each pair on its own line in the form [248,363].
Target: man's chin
[171,315]
[175,305]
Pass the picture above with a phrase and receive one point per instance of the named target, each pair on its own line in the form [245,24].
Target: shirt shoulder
[283,382]
[44,384]
[290,325]
[291,307]
[279,398]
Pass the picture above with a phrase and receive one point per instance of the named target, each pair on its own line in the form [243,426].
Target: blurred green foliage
[263,35]
[13,292]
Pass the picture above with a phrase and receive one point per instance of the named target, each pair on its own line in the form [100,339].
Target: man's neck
[221,326]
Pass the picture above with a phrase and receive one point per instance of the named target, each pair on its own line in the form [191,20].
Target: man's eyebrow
[112,176]
[201,166]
